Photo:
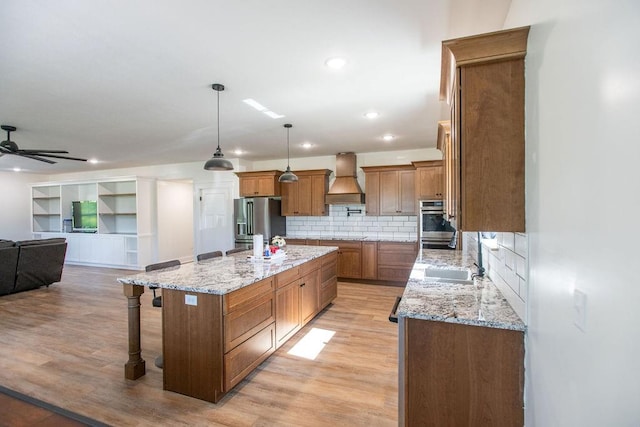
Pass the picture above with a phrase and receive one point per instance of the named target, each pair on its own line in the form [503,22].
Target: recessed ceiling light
[273,115]
[371,115]
[307,145]
[16,169]
[336,63]
[255,104]
[388,137]
[238,151]
[93,161]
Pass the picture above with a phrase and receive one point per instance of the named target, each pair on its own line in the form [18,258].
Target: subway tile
[521,243]
[390,229]
[521,266]
[509,260]
[399,218]
[508,241]
[523,289]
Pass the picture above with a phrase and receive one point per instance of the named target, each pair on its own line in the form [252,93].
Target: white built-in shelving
[126,220]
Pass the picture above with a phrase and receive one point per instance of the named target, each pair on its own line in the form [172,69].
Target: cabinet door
[319,187]
[389,185]
[304,196]
[289,199]
[492,147]
[328,279]
[370,260]
[372,192]
[310,295]
[429,182]
[349,263]
[287,312]
[265,186]
[407,192]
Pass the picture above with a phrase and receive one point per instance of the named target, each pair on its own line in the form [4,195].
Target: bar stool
[157,300]
[234,250]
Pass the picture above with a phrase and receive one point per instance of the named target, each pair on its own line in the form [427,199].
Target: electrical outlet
[191,299]
[580,309]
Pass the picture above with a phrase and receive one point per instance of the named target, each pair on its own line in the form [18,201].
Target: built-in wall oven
[435,231]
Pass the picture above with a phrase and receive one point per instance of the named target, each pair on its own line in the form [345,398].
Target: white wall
[15,199]
[583,205]
[175,220]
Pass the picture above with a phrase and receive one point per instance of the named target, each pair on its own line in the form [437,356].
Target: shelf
[118,195]
[46,214]
[117,213]
[45,197]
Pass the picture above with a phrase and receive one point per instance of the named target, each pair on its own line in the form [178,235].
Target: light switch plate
[580,309]
[191,299]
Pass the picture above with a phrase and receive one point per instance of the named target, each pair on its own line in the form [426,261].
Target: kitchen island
[222,317]
[461,347]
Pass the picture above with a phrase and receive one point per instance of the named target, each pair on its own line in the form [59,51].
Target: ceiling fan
[10,147]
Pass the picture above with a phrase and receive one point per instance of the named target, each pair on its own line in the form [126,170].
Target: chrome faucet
[481,270]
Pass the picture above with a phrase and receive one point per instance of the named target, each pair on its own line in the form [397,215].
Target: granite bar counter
[222,317]
[222,275]
[479,303]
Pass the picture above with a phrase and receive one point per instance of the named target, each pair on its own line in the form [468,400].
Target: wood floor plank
[67,345]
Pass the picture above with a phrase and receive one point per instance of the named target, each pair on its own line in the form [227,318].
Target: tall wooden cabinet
[483,82]
[307,196]
[390,190]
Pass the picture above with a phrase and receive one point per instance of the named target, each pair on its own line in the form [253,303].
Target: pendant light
[218,162]
[288,176]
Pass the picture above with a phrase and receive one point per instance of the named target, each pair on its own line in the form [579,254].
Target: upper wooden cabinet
[429,180]
[483,82]
[390,190]
[306,197]
[261,183]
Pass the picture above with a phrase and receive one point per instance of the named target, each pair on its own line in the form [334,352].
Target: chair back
[234,250]
[209,255]
[161,265]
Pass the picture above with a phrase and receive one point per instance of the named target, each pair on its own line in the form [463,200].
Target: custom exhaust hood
[345,189]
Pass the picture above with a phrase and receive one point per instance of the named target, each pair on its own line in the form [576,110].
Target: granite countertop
[354,238]
[225,274]
[480,303]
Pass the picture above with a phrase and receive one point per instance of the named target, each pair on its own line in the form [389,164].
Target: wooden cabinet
[287,311]
[390,190]
[259,183]
[306,197]
[395,260]
[212,342]
[349,257]
[370,260]
[483,82]
[451,167]
[328,279]
[462,375]
[429,180]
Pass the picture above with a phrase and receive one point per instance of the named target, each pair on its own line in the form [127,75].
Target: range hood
[345,189]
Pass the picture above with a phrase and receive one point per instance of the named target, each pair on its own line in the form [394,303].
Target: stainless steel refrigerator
[258,215]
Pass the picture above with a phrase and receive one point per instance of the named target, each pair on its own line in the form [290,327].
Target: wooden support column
[135,367]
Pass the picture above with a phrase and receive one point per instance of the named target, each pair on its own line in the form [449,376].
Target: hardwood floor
[67,345]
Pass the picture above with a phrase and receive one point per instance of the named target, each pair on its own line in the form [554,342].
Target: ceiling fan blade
[59,157]
[30,156]
[34,151]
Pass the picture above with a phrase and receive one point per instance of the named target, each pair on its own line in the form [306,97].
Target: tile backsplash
[350,221]
[505,262]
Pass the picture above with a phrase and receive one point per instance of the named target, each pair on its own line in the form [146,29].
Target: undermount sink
[452,276]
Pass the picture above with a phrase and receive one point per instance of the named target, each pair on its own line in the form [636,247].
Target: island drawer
[236,298]
[243,359]
[287,276]
[308,267]
[248,319]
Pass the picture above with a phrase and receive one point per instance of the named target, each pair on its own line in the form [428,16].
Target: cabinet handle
[302,284]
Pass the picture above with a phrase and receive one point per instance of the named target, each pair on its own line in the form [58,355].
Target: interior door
[215,228]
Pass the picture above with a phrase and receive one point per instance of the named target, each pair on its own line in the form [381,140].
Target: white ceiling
[129,82]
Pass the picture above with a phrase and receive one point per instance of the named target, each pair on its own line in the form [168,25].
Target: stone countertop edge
[477,304]
[226,274]
[355,238]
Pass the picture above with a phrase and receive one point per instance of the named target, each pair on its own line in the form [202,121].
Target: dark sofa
[29,264]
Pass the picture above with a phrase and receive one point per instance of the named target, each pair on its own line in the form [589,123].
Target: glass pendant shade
[288,176]
[218,162]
